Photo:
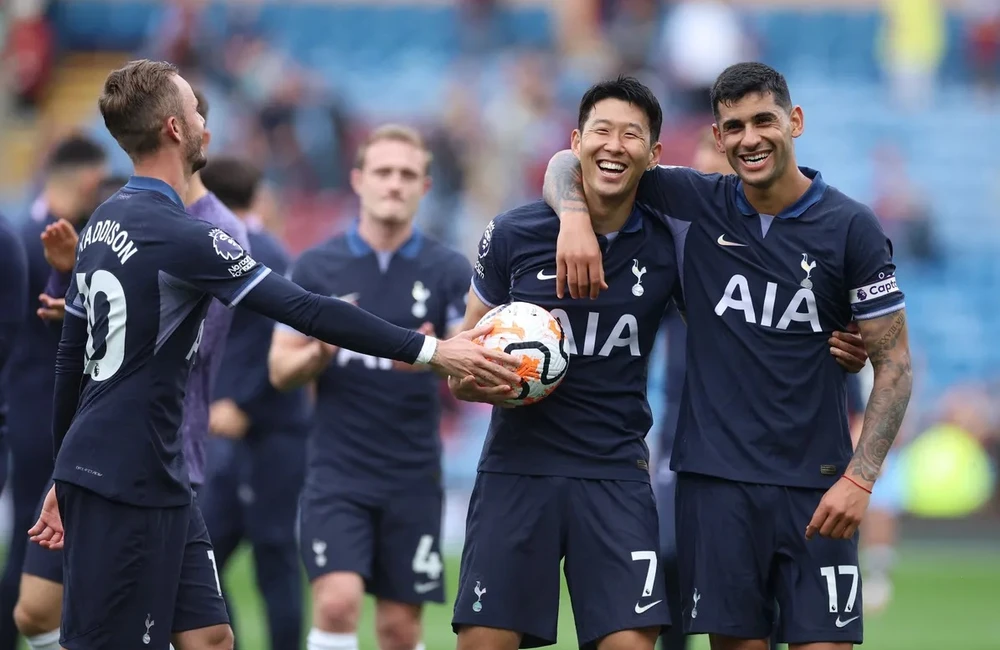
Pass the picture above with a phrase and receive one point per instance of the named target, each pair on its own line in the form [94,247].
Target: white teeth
[611,166]
[756,158]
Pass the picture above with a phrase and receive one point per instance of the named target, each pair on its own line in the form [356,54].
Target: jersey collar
[794,211]
[145,183]
[359,247]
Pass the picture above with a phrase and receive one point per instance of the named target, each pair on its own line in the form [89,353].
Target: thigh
[219,503]
[725,548]
[612,558]
[336,533]
[509,578]
[39,561]
[818,582]
[199,597]
[408,566]
[121,569]
[277,465]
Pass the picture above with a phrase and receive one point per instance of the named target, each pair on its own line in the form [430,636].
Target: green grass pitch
[946,598]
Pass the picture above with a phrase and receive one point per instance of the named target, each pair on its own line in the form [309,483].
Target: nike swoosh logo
[721,241]
[424,587]
[640,610]
[841,623]
[350,297]
[541,276]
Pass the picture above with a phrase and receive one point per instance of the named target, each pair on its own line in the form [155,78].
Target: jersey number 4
[104,300]
[426,560]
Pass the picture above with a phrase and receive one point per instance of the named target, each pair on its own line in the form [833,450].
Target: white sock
[47,641]
[320,640]
[420,646]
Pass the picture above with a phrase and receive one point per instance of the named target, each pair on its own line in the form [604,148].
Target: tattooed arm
[578,255]
[888,348]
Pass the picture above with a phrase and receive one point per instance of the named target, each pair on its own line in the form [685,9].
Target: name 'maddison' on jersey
[594,424]
[764,400]
[144,277]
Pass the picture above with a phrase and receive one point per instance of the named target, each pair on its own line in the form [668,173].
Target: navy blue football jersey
[595,422]
[764,401]
[144,276]
[375,427]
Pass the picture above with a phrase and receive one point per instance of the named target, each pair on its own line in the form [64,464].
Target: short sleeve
[215,263]
[491,279]
[457,291]
[871,273]
[665,189]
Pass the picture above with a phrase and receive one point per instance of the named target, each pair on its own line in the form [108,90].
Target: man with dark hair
[73,172]
[255,461]
[144,278]
[773,262]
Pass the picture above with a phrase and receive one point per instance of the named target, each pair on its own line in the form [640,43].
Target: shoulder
[438,253]
[331,251]
[851,212]
[680,176]
[529,220]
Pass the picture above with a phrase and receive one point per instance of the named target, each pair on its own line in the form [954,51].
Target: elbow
[279,377]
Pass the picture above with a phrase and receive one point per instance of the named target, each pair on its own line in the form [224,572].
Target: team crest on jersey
[808,267]
[420,295]
[225,246]
[484,243]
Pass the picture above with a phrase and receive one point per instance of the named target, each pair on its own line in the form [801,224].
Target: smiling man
[772,261]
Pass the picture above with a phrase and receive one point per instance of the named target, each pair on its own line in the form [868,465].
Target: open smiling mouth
[755,160]
[611,168]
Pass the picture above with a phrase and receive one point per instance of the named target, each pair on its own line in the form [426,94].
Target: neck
[60,203]
[608,215]
[782,194]
[384,236]
[167,169]
[196,190]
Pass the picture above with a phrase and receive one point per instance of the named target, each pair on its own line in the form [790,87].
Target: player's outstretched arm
[468,388]
[342,324]
[579,264]
[842,508]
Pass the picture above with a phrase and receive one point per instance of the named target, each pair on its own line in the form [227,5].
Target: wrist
[427,351]
[861,483]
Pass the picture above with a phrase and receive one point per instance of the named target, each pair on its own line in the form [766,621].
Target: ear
[356,180]
[654,155]
[798,120]
[574,142]
[428,182]
[175,130]
[206,138]
[718,139]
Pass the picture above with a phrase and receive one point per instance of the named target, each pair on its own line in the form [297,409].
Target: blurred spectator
[28,51]
[983,33]
[913,43]
[902,208]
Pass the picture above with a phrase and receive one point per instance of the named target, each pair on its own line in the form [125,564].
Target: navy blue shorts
[518,530]
[40,561]
[393,542]
[199,597]
[121,565]
[742,547]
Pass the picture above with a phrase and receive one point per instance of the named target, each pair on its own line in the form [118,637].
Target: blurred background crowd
[901,98]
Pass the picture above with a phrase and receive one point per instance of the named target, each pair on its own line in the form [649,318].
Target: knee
[398,628]
[337,610]
[33,619]
[217,637]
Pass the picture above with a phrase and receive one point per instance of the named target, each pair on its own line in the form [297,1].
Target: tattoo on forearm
[890,356]
[563,185]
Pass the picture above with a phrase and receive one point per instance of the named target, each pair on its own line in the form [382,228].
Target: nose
[614,144]
[751,138]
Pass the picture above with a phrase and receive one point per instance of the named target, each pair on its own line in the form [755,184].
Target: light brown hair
[393,133]
[136,100]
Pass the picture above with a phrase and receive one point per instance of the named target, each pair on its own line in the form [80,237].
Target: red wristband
[845,476]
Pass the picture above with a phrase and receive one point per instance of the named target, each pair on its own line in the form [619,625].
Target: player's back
[137,260]
[375,425]
[764,401]
[594,424]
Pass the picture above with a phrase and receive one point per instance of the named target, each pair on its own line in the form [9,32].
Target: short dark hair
[741,79]
[627,89]
[233,180]
[108,186]
[73,152]
[202,103]
[137,98]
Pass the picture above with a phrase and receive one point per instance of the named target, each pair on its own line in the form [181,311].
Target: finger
[851,531]
[837,532]
[817,520]
[833,520]
[851,338]
[50,314]
[857,351]
[500,375]
[37,528]
[479,330]
[571,279]
[467,382]
[503,359]
[595,273]
[560,277]
[583,280]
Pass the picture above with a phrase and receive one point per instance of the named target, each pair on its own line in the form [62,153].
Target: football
[536,337]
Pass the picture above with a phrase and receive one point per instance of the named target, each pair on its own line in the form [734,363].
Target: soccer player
[13,299]
[371,510]
[769,495]
[145,272]
[73,172]
[256,455]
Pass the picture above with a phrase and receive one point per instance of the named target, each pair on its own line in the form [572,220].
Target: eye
[601,131]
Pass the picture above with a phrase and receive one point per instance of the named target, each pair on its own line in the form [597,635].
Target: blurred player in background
[13,303]
[73,173]
[371,510]
[766,475]
[256,454]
